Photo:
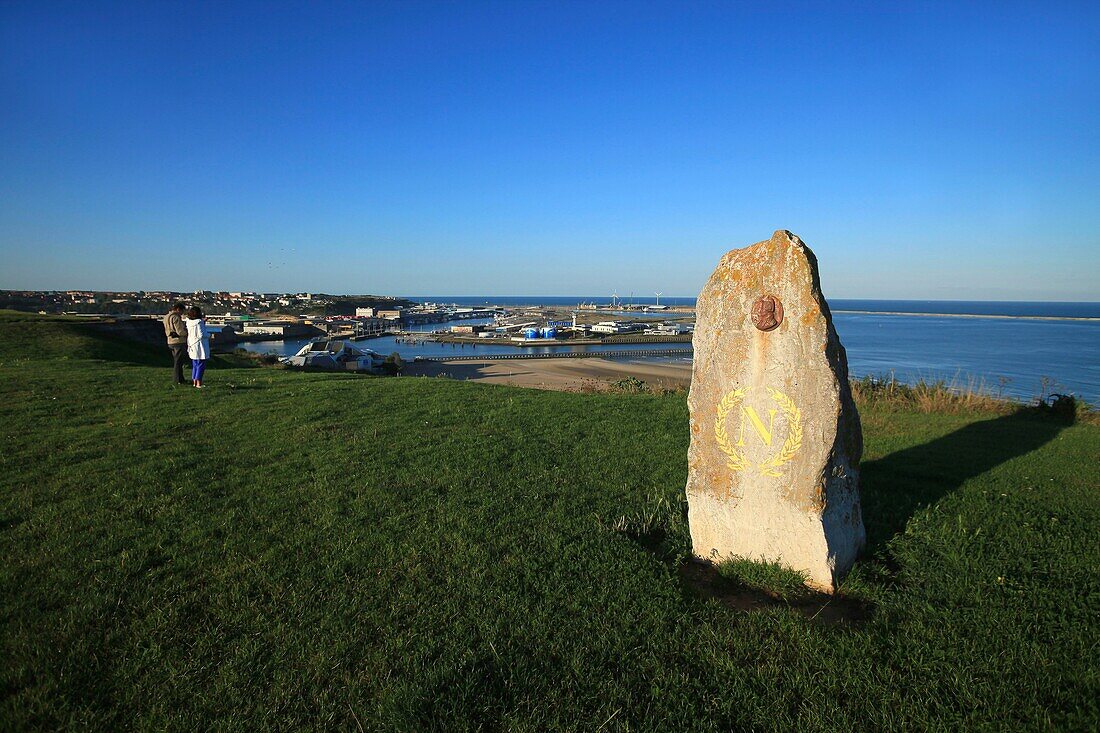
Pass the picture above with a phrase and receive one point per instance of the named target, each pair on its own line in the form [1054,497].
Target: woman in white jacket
[198,344]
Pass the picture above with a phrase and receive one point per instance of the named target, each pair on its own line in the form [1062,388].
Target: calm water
[989,350]
[1013,355]
[1010,356]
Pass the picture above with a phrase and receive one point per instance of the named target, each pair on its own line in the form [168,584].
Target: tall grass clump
[959,397]
[660,527]
[929,396]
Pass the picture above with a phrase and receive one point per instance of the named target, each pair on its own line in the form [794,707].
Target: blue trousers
[198,367]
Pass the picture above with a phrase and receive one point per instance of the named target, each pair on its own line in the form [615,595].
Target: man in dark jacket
[176,332]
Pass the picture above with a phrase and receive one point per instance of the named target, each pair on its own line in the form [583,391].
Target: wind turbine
[658,297]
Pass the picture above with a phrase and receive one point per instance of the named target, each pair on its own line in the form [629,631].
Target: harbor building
[614,327]
[285,329]
[669,329]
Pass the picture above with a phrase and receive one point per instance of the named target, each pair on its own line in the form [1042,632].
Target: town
[251,316]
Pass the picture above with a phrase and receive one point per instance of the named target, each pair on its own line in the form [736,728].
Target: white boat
[337,356]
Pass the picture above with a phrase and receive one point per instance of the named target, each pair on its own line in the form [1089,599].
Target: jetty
[617,354]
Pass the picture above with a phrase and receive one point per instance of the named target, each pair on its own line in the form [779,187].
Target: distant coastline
[1080,311]
[965,315]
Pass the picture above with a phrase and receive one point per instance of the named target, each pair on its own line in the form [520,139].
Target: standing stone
[773,468]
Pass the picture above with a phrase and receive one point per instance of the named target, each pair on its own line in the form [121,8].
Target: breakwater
[621,354]
[626,339]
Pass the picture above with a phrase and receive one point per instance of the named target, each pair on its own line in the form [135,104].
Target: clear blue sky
[924,151]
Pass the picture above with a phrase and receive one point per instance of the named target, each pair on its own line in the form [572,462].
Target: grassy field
[287,550]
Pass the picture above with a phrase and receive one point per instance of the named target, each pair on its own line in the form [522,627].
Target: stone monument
[773,467]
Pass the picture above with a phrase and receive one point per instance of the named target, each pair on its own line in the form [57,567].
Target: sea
[1015,349]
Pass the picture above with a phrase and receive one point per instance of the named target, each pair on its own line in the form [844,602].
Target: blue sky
[946,151]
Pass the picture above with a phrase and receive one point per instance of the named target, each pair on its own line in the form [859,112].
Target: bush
[630,385]
[393,364]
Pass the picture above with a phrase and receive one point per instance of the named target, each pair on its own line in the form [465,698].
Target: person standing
[198,344]
[176,333]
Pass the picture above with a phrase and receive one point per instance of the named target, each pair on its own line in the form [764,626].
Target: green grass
[770,577]
[314,551]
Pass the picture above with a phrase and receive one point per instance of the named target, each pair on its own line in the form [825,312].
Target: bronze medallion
[767,313]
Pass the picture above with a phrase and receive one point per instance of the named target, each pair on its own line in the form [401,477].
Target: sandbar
[568,375]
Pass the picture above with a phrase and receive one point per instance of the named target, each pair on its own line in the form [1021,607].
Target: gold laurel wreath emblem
[736,461]
[771,465]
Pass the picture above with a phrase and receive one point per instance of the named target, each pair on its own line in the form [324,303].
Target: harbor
[584,324]
[979,350]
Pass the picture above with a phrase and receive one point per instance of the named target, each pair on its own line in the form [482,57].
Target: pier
[624,353]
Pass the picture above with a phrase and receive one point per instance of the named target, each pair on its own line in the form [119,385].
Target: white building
[669,329]
[275,328]
[613,327]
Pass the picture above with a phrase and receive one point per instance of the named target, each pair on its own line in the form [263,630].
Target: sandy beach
[568,375]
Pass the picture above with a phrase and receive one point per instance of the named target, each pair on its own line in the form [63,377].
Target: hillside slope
[309,551]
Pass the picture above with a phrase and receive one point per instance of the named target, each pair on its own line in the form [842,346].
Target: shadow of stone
[893,489]
[898,485]
[702,579]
